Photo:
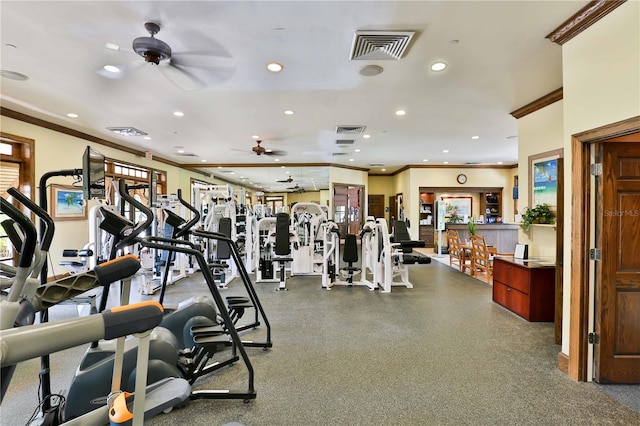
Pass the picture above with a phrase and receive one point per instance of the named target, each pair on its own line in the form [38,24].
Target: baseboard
[563,363]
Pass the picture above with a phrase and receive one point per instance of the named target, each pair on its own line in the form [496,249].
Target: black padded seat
[350,255]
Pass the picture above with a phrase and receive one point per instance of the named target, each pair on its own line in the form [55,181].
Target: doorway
[347,208]
[375,206]
[575,364]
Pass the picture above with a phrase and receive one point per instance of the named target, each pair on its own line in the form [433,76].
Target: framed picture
[543,179]
[457,206]
[67,203]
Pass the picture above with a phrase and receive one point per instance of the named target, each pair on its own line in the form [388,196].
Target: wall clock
[462,179]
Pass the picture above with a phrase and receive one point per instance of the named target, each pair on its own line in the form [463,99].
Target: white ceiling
[501,62]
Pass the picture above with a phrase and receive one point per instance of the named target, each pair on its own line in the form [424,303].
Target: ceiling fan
[260,150]
[188,70]
[287,180]
[296,188]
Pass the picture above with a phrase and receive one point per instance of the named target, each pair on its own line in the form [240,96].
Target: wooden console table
[525,287]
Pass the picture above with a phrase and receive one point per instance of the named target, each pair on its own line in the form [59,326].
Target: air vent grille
[126,131]
[351,130]
[380,45]
[345,141]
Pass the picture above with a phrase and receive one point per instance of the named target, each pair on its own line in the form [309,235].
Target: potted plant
[540,214]
[473,228]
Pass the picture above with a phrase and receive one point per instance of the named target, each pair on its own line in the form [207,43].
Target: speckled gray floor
[441,353]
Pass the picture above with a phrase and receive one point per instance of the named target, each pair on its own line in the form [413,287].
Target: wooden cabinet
[427,215]
[491,206]
[526,288]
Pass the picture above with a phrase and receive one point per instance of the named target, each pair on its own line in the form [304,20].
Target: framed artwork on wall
[544,179]
[67,203]
[457,206]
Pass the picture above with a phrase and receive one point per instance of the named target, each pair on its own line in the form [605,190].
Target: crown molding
[539,103]
[583,19]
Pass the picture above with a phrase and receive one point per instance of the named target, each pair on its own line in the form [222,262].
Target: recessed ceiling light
[401,112]
[425,160]
[203,160]
[500,162]
[147,138]
[282,167]
[350,159]
[446,162]
[274,67]
[287,172]
[438,66]
[445,150]
[178,114]
[357,150]
[255,137]
[72,115]
[366,136]
[384,170]
[288,112]
[276,160]
[475,137]
[112,46]
[181,151]
[111,68]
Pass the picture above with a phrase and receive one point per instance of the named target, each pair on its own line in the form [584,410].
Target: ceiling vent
[335,154]
[126,131]
[345,141]
[376,164]
[351,130]
[380,45]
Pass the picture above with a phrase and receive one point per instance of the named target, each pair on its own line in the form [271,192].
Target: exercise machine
[306,225]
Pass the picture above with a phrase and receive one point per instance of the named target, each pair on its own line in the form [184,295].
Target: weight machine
[332,273]
[306,225]
[218,212]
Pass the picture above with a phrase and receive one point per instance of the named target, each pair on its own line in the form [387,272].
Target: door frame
[575,363]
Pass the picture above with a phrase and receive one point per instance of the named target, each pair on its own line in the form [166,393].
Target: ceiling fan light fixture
[152,58]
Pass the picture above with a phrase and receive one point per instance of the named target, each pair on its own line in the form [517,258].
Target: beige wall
[538,132]
[383,185]
[601,80]
[57,151]
[446,178]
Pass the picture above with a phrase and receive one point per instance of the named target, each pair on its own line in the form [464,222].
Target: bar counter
[503,236]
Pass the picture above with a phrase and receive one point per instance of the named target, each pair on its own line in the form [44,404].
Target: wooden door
[375,206]
[617,311]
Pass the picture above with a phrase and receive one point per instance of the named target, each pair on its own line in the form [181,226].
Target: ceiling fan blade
[204,60]
[275,153]
[212,69]
[180,77]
